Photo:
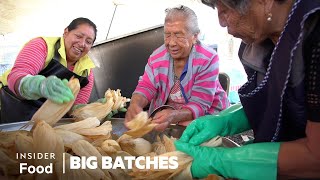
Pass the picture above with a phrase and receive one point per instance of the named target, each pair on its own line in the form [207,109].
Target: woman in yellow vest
[43,67]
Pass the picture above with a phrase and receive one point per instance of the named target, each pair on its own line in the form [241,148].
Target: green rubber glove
[228,122]
[77,106]
[102,100]
[253,161]
[53,88]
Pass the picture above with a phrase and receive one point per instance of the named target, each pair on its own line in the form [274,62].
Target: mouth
[174,51]
[77,50]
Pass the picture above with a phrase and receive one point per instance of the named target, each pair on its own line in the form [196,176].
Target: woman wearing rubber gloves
[42,69]
[280,101]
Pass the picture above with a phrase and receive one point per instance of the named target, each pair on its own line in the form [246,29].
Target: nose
[82,42]
[172,41]
[222,19]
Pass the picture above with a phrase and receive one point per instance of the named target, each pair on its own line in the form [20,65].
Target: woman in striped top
[182,73]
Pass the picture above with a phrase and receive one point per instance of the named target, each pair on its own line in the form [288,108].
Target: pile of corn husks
[87,137]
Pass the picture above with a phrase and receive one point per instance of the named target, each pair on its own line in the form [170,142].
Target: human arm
[30,61]
[306,153]
[295,159]
[137,103]
[143,94]
[24,81]
[169,116]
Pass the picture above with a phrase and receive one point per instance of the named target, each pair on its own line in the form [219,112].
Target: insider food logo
[31,169]
[93,162]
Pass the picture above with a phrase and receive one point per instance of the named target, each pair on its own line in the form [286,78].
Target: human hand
[132,111]
[163,118]
[254,161]
[228,122]
[52,88]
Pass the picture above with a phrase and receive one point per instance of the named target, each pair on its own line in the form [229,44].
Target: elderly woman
[182,73]
[42,69]
[280,101]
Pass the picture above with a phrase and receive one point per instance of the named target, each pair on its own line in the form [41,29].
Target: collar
[254,55]
[81,65]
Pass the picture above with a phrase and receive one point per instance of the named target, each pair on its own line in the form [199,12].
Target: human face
[178,40]
[78,41]
[250,27]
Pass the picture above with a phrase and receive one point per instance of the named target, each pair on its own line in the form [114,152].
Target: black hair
[81,20]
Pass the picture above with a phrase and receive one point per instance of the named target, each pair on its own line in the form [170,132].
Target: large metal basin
[118,129]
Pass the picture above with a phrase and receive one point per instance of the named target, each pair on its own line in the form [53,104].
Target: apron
[264,104]
[14,109]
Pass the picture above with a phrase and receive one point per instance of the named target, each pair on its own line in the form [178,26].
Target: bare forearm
[301,158]
[182,115]
[137,103]
[139,100]
[16,87]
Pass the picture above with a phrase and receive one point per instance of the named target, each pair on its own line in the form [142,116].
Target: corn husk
[5,159]
[135,146]
[8,166]
[70,174]
[104,129]
[183,160]
[45,140]
[52,112]
[96,109]
[119,101]
[122,155]
[138,121]
[183,171]
[184,174]
[91,122]
[122,137]
[8,138]
[84,148]
[140,125]
[97,141]
[168,143]
[24,144]
[69,137]
[158,148]
[110,146]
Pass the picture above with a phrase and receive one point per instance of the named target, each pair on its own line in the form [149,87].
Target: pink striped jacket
[199,81]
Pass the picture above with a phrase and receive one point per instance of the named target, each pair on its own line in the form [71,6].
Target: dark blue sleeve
[312,78]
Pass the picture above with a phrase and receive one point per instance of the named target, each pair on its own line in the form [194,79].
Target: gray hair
[188,14]
[239,5]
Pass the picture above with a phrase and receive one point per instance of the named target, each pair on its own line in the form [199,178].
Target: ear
[65,32]
[195,38]
[267,6]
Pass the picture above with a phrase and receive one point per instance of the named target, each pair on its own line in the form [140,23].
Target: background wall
[22,20]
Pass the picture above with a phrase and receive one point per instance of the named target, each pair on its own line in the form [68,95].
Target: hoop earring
[269,17]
